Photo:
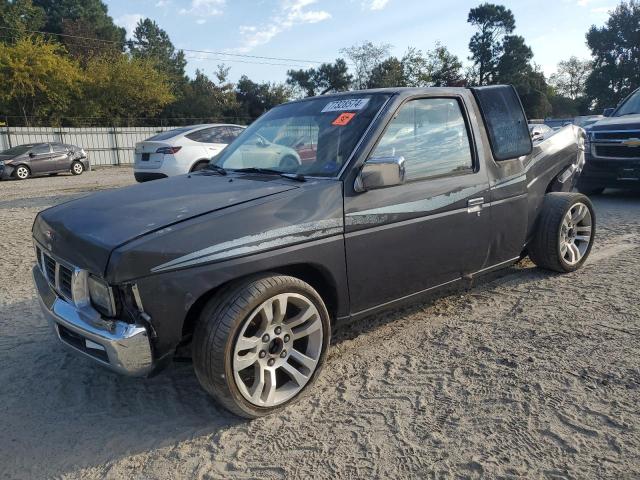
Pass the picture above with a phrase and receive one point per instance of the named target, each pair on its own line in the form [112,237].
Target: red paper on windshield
[343,119]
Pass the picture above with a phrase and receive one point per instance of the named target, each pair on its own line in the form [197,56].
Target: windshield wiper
[270,171]
[216,168]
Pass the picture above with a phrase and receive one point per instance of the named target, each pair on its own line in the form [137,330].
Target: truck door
[432,229]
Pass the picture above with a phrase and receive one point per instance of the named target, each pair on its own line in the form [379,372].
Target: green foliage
[571,78]
[616,56]
[37,78]
[444,68]
[493,22]
[257,98]
[152,43]
[20,17]
[328,77]
[389,73]
[118,86]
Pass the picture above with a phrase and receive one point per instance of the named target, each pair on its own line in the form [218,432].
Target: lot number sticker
[349,104]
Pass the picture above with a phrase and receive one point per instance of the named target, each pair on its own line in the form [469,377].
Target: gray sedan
[24,161]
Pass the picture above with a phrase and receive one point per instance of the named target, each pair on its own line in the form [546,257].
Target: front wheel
[77,168]
[565,232]
[260,344]
[22,172]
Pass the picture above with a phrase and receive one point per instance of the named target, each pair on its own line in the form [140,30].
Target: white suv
[181,150]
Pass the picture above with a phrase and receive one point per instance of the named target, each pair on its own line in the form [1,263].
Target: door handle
[475,205]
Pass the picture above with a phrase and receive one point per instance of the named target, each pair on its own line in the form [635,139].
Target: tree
[415,68]
[444,68]
[616,51]
[118,86]
[571,78]
[493,23]
[204,98]
[38,79]
[328,77]
[152,43]
[17,18]
[365,57]
[389,73]
[257,98]
[91,14]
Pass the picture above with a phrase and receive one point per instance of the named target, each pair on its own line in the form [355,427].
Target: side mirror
[380,172]
[31,154]
[607,112]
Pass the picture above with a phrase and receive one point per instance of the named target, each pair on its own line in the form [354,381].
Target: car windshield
[631,106]
[170,133]
[19,150]
[314,137]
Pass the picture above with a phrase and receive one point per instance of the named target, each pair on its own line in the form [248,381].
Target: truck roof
[390,91]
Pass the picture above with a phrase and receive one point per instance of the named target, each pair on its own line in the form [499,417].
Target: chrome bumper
[120,346]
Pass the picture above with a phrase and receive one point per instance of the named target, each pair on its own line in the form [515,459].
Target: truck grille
[58,275]
[620,144]
[617,151]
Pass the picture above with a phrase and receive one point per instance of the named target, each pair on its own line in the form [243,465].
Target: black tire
[288,162]
[77,168]
[545,248]
[218,328]
[200,166]
[590,191]
[18,172]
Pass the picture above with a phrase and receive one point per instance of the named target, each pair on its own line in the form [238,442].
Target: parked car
[181,150]
[257,151]
[540,131]
[613,149]
[253,265]
[33,159]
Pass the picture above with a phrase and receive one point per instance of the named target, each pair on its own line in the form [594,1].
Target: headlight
[101,296]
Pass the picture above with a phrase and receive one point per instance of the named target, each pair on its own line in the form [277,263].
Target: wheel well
[198,162]
[314,275]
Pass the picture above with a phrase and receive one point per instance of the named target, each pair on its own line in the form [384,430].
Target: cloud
[129,21]
[204,8]
[602,10]
[290,14]
[163,3]
[378,4]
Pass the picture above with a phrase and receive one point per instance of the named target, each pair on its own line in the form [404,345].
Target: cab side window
[40,149]
[431,135]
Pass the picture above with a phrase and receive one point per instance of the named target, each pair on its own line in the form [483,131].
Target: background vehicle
[24,161]
[261,153]
[405,197]
[181,150]
[613,149]
[539,131]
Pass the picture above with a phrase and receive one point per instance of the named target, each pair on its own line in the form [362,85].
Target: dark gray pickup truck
[394,194]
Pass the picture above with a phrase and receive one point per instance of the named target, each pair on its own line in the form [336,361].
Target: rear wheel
[261,343]
[565,232]
[22,172]
[77,168]
[289,163]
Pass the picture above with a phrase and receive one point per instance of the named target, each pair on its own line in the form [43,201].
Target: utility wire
[210,52]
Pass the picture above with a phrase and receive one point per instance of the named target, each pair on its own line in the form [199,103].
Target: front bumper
[120,346]
[610,173]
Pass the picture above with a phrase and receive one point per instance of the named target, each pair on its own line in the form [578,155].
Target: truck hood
[627,122]
[85,231]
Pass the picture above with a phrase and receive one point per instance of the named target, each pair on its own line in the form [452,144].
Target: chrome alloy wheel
[575,233]
[277,350]
[22,172]
[77,168]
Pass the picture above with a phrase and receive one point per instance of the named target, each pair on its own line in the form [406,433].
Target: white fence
[104,145]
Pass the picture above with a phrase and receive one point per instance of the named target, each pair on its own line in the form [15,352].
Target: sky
[307,31]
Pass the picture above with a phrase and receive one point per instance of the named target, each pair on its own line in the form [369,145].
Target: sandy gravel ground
[528,375]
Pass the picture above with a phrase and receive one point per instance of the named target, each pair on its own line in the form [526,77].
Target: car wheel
[200,166]
[565,232]
[261,343]
[289,162]
[77,168]
[22,172]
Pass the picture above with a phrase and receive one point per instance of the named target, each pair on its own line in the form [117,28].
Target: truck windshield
[314,137]
[631,106]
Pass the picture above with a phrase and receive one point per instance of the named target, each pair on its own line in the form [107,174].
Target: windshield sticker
[348,104]
[343,119]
